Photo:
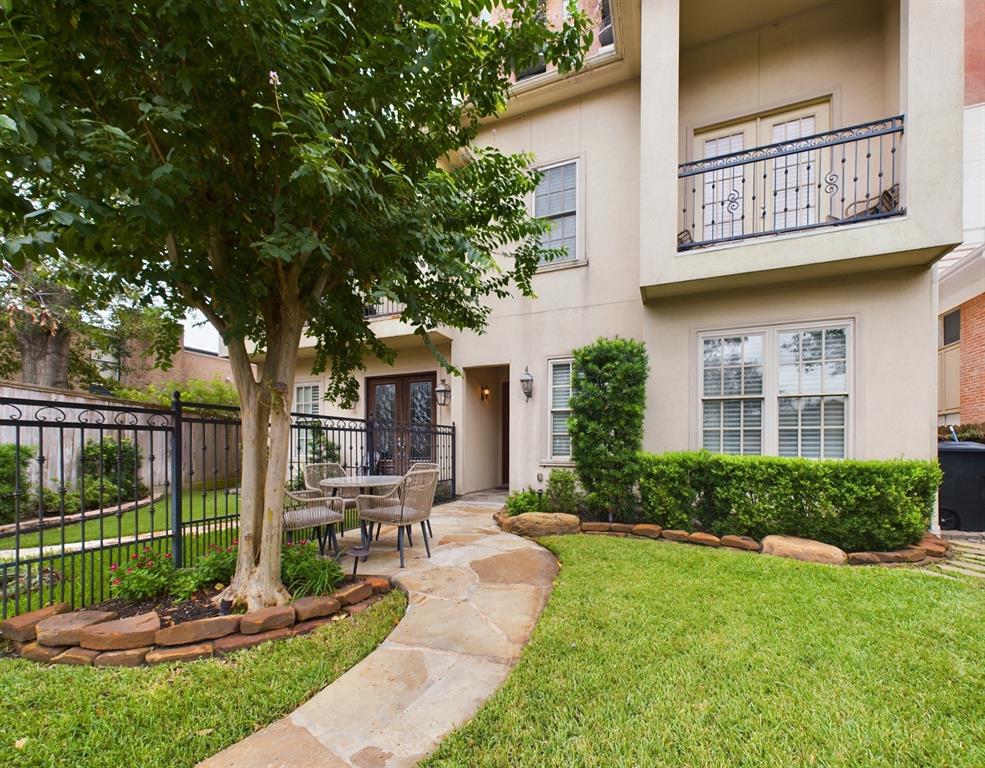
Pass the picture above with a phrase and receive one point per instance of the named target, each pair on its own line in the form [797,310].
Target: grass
[153,517]
[657,654]
[173,716]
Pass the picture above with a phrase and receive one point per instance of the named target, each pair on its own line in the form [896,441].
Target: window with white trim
[779,390]
[560,408]
[306,398]
[556,200]
[732,394]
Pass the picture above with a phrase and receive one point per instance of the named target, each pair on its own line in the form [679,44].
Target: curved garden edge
[929,550]
[57,635]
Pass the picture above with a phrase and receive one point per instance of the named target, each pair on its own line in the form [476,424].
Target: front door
[401,409]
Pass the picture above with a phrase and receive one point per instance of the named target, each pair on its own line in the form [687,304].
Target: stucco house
[759,192]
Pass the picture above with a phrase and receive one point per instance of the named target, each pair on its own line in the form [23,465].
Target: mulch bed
[199,606]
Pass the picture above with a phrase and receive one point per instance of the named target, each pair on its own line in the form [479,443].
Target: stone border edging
[57,635]
[929,550]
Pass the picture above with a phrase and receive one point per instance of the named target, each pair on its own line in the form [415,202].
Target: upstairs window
[952,327]
[306,399]
[556,200]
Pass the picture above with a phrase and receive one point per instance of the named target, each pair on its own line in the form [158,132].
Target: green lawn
[659,654]
[170,717]
[153,517]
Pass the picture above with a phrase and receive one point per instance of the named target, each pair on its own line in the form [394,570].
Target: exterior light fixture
[442,393]
[484,392]
[527,382]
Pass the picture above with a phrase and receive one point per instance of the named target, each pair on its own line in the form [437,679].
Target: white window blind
[556,199]
[306,398]
[732,392]
[560,408]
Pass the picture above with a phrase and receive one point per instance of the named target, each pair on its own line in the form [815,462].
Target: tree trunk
[44,355]
[266,431]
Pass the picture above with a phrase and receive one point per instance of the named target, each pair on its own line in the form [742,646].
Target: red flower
[113,567]
[129,570]
[150,563]
[229,549]
[133,556]
[235,542]
[116,582]
[167,555]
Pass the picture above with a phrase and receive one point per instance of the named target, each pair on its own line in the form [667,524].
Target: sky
[199,334]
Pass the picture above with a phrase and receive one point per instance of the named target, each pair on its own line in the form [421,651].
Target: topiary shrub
[562,493]
[608,397]
[855,505]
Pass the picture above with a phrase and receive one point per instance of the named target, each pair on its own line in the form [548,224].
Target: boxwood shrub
[855,505]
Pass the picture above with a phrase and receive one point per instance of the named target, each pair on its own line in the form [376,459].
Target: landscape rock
[380,584]
[179,653]
[198,630]
[532,525]
[42,653]
[912,554]
[674,535]
[933,547]
[353,593]
[649,530]
[230,643]
[122,634]
[21,629]
[304,627]
[890,557]
[362,605]
[80,657]
[66,628]
[807,550]
[740,542]
[620,527]
[500,516]
[132,657]
[266,619]
[863,558]
[595,527]
[704,539]
[317,606]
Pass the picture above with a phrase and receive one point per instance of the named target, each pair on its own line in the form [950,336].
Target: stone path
[471,610]
[968,559]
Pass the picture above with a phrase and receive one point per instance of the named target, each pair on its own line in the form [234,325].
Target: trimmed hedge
[855,505]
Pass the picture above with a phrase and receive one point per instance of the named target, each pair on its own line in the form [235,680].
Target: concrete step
[974,565]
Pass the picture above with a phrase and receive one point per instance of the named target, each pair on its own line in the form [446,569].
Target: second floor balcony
[827,179]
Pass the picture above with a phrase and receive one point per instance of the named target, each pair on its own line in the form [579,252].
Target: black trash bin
[962,497]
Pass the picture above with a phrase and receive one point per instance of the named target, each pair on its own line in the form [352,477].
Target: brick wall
[974,52]
[139,370]
[973,360]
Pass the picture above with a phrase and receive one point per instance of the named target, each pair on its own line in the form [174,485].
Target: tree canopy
[277,164]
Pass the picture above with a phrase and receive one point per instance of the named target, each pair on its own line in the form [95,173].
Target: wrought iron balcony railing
[837,177]
[383,308]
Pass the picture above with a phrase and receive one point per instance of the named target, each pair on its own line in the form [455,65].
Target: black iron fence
[383,308]
[827,179]
[84,485]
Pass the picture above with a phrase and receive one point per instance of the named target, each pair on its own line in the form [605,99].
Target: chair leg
[410,539]
[400,544]
[320,536]
[379,527]
[430,532]
[424,535]
[365,537]
[333,539]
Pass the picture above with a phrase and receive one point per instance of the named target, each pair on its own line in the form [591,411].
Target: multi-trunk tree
[277,164]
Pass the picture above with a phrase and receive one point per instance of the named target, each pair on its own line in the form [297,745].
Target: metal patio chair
[312,509]
[406,504]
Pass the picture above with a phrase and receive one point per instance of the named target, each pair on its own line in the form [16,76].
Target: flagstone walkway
[471,609]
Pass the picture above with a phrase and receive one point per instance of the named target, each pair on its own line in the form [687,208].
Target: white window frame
[551,410]
[579,258]
[771,371]
[315,402]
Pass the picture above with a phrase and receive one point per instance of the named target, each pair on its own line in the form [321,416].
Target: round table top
[361,481]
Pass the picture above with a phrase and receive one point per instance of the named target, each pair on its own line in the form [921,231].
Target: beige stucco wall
[893,403]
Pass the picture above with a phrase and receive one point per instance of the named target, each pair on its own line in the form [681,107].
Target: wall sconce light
[484,392]
[527,382]
[442,393]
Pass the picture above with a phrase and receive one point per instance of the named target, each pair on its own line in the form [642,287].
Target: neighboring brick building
[961,334]
[187,363]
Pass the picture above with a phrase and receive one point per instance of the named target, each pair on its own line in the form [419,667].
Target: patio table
[362,483]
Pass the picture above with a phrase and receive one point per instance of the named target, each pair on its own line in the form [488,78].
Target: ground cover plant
[658,654]
[173,716]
